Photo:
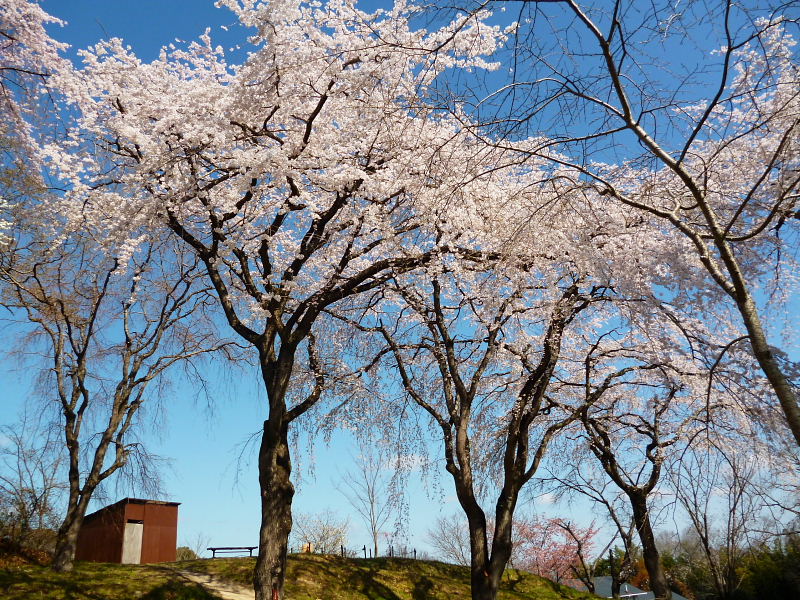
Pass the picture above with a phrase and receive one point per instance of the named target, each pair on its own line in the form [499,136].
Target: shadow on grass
[328,577]
[510,581]
[22,584]
[422,589]
[180,590]
[18,584]
[363,579]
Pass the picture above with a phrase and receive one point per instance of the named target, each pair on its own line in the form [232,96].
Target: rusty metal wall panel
[100,537]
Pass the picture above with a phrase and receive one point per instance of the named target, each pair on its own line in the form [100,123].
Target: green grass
[309,577]
[98,581]
[312,577]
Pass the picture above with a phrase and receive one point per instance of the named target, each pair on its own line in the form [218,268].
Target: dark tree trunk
[277,491]
[66,544]
[483,578]
[502,542]
[652,559]
[482,585]
[486,566]
[67,536]
[274,477]
[480,577]
[478,542]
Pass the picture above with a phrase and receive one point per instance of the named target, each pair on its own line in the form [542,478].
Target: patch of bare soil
[224,590]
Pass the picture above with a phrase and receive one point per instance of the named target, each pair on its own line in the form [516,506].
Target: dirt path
[226,591]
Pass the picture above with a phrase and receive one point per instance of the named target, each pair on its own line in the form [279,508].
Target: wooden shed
[131,531]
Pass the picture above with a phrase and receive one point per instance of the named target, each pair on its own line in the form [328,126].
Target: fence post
[365,551]
[415,554]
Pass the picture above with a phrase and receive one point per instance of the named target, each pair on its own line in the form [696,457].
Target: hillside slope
[98,581]
[312,577]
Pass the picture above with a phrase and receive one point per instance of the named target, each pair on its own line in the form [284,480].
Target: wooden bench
[231,550]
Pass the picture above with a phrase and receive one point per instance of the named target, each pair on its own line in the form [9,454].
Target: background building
[602,587]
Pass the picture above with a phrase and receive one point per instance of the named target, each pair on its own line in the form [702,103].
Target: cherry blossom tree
[584,478]
[636,482]
[486,351]
[322,533]
[317,187]
[661,417]
[727,489]
[298,178]
[553,548]
[726,218]
[460,371]
[671,395]
[507,345]
[28,56]
[705,147]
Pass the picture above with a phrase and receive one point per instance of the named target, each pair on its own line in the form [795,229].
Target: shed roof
[124,501]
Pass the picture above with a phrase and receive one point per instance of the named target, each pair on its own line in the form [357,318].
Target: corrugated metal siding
[100,538]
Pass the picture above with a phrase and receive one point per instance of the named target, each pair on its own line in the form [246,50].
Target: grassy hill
[98,581]
[310,577]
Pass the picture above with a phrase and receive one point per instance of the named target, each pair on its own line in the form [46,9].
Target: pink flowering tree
[302,177]
[552,547]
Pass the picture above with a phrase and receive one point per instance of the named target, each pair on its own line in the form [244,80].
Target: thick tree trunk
[502,543]
[478,546]
[487,566]
[652,559]
[277,491]
[482,585]
[486,571]
[67,536]
[66,544]
[484,580]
